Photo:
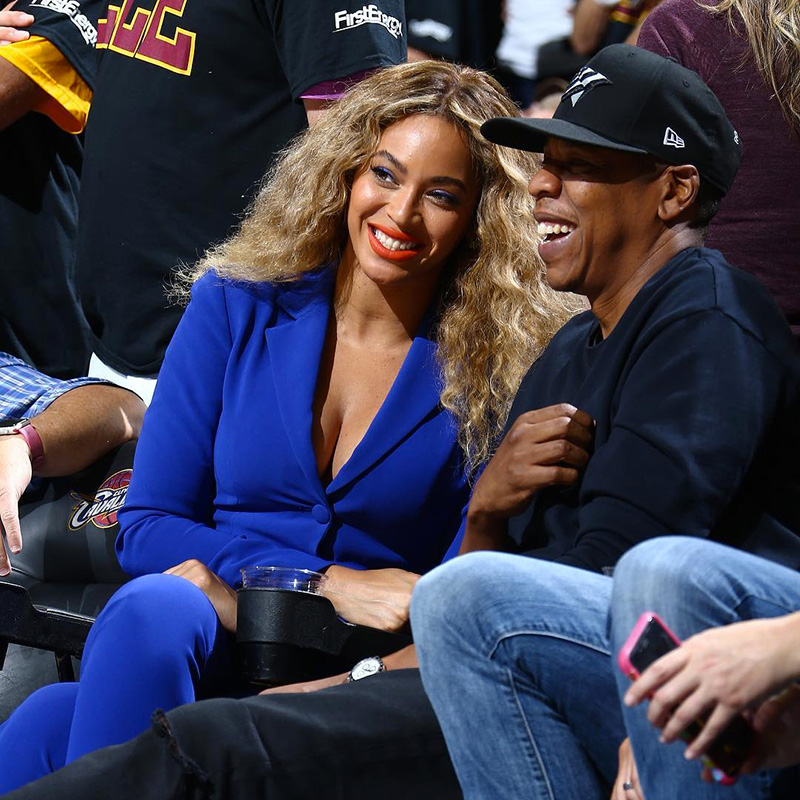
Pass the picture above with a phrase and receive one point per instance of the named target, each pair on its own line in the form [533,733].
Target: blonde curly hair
[772,28]
[496,313]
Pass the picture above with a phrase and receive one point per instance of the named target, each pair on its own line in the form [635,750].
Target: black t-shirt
[464,31]
[40,319]
[189,110]
[696,395]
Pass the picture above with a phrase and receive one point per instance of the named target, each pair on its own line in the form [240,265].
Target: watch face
[366,668]
[12,424]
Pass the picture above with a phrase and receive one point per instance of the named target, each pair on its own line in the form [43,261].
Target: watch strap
[31,436]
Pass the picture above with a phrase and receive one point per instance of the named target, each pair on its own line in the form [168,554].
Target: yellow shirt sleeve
[68,95]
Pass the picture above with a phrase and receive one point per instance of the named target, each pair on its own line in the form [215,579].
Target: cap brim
[531,134]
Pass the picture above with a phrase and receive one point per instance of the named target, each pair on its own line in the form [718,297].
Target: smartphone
[649,640]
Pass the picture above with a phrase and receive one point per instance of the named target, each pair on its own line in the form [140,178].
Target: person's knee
[157,609]
[448,594]
[660,566]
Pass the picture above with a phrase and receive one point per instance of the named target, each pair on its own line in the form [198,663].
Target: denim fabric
[693,584]
[515,659]
[514,655]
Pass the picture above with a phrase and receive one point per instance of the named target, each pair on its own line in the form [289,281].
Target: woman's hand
[308,686]
[627,786]
[402,659]
[222,597]
[11,22]
[719,672]
[378,598]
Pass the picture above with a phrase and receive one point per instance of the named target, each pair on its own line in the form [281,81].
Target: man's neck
[613,303]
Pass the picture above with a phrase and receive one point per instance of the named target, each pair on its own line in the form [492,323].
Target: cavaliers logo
[101,510]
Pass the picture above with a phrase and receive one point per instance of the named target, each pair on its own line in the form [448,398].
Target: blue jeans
[516,663]
[516,659]
[693,584]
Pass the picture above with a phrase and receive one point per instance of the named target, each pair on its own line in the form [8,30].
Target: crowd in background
[161,205]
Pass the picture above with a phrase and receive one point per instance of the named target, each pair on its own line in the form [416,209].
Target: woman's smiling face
[412,203]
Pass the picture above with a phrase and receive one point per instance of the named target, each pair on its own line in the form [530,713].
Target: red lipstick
[385,252]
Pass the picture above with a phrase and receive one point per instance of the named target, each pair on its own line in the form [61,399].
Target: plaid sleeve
[26,392]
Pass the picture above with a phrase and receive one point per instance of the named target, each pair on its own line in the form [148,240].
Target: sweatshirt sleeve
[692,415]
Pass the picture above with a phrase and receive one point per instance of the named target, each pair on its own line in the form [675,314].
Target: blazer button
[321,514]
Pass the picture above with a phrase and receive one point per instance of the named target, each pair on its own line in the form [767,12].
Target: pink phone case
[624,657]
[624,662]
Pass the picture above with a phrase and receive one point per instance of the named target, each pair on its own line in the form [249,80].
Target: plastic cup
[295,580]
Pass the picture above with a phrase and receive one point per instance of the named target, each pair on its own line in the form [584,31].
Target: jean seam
[562,637]
[529,733]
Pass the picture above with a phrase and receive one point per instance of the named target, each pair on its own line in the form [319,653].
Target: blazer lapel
[295,349]
[413,396]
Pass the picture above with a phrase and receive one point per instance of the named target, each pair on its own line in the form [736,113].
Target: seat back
[69,524]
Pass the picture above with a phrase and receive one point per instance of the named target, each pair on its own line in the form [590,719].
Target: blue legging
[157,644]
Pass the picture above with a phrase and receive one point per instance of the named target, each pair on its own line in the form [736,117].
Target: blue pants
[157,644]
[516,658]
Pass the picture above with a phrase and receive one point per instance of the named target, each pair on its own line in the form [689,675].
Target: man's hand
[546,447]
[15,475]
[222,597]
[777,723]
[720,672]
[378,598]
[11,22]
[627,786]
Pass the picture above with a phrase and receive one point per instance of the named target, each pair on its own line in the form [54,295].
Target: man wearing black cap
[687,382]
[688,385]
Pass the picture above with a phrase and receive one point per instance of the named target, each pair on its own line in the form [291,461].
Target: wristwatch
[24,428]
[366,668]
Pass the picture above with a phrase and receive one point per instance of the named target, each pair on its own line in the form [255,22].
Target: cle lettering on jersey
[146,34]
[368,15]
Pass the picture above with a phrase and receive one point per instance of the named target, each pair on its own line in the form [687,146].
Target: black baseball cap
[632,100]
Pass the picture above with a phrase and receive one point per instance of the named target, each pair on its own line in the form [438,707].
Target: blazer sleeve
[168,515]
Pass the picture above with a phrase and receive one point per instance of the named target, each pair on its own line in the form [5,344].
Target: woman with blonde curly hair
[346,362]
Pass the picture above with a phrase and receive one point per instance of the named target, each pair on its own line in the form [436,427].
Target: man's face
[605,204]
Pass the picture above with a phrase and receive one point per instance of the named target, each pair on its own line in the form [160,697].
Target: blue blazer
[225,470]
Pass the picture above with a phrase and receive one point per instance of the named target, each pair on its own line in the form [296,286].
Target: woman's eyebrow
[389,157]
[439,180]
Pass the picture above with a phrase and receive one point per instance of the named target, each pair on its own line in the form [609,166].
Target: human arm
[402,659]
[692,410]
[720,672]
[589,27]
[19,94]
[76,429]
[544,447]
[312,55]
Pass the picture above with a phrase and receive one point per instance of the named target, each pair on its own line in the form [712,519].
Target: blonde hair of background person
[773,33]
[497,312]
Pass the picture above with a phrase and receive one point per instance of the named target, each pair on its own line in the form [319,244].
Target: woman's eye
[445,198]
[382,174]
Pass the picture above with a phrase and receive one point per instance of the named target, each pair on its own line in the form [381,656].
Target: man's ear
[681,185]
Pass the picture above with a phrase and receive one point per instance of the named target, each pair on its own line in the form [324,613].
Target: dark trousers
[376,737]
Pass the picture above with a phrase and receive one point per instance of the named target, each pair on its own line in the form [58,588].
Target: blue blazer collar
[295,341]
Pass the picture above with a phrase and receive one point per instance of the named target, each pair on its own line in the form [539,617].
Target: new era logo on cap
[585,80]
[671,139]
[644,103]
